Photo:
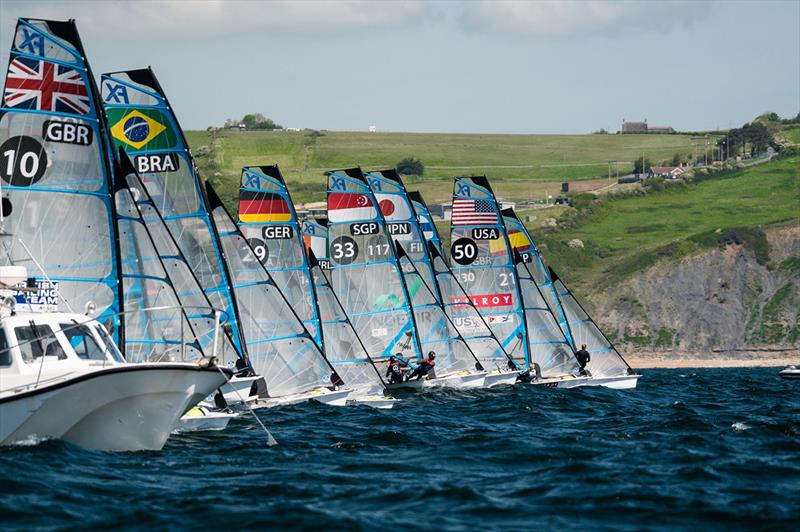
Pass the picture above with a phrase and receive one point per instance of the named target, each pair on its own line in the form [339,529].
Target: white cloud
[577,18]
[165,19]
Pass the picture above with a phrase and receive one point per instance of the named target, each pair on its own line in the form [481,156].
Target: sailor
[529,376]
[424,367]
[583,358]
[394,371]
[478,366]
[336,380]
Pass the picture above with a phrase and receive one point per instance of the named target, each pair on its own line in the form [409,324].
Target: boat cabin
[36,348]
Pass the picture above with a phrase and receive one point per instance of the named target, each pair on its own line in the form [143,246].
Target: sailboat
[435,329]
[269,222]
[142,123]
[315,239]
[57,223]
[486,266]
[267,334]
[607,368]
[280,347]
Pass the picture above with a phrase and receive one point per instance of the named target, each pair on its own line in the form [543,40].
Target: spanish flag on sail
[261,207]
[518,240]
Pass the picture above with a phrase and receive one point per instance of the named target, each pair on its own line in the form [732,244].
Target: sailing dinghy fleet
[133,304]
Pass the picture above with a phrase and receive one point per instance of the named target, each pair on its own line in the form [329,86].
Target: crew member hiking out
[583,359]
[424,367]
[394,371]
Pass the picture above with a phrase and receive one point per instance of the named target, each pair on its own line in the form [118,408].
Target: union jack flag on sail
[45,86]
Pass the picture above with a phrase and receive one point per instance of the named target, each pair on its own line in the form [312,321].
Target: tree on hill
[637,166]
[755,133]
[254,121]
[410,166]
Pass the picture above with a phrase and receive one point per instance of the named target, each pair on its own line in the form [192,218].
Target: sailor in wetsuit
[336,381]
[394,371]
[424,367]
[583,359]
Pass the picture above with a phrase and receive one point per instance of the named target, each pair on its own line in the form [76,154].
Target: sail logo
[30,42]
[136,129]
[156,163]
[462,189]
[375,184]
[337,183]
[250,180]
[487,300]
[67,132]
[116,93]
[44,298]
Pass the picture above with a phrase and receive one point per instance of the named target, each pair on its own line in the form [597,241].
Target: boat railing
[205,342]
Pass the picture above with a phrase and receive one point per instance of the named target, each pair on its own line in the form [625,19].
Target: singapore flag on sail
[349,206]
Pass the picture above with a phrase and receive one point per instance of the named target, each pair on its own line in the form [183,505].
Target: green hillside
[541,161]
[626,234]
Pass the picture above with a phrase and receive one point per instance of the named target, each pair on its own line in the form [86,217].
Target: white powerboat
[790,372]
[61,376]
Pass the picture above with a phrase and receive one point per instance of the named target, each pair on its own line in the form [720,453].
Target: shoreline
[680,363]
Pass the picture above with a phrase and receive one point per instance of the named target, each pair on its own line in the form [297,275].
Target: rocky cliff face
[721,303]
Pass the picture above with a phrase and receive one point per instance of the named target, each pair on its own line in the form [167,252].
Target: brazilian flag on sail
[141,129]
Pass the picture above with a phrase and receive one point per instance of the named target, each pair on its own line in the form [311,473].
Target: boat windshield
[5,351]
[111,347]
[82,340]
[37,340]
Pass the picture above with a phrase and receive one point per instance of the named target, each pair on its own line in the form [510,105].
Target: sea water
[688,448]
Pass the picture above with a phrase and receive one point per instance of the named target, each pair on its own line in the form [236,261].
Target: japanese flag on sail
[350,206]
[393,207]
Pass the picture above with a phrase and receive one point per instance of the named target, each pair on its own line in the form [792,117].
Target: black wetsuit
[394,372]
[423,369]
[583,359]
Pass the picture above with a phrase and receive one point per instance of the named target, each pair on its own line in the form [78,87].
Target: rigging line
[270,438]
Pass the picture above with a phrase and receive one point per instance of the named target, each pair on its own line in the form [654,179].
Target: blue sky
[460,66]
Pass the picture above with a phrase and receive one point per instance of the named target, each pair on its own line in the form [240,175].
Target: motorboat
[790,372]
[62,376]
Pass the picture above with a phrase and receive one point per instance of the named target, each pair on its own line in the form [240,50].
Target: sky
[458,66]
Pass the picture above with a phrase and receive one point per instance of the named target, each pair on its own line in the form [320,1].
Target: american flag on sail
[45,86]
[473,212]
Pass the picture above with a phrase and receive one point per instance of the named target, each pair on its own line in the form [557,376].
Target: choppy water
[688,448]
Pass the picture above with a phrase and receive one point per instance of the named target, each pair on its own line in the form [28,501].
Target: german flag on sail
[260,207]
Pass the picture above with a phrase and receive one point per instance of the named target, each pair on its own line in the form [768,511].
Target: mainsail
[279,346]
[435,329]
[520,239]
[549,347]
[466,318]
[364,270]
[343,348]
[606,361]
[57,208]
[156,274]
[142,122]
[483,264]
[269,222]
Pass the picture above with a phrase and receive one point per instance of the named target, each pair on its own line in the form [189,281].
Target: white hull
[375,401]
[790,373]
[123,407]
[567,381]
[506,378]
[206,421]
[322,395]
[237,390]
[458,381]
[620,382]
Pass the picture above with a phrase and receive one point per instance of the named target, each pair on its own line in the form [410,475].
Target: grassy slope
[627,234]
[543,161]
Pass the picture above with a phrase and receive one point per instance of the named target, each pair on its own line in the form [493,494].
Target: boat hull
[207,421]
[322,395]
[619,382]
[130,407]
[790,373]
[458,381]
[506,378]
[374,401]
[567,381]
[237,390]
